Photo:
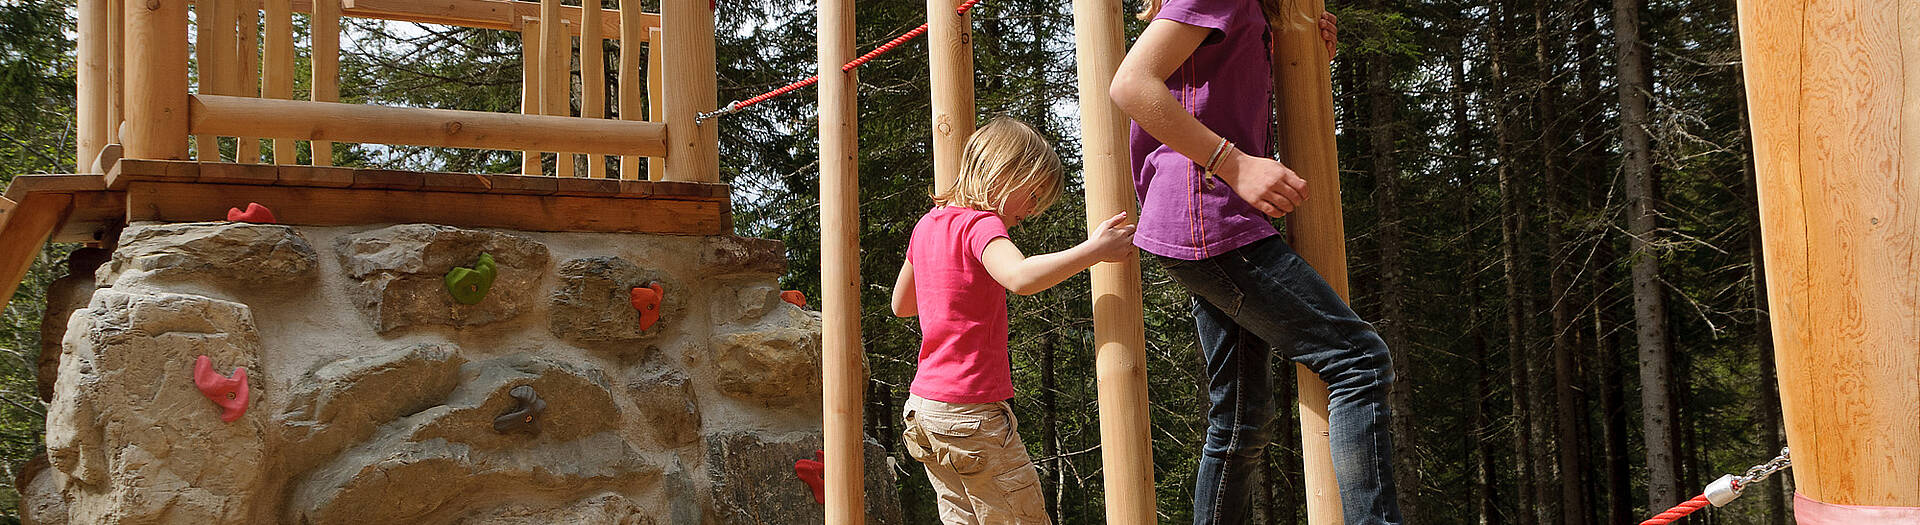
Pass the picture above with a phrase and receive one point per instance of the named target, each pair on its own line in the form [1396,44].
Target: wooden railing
[133,84]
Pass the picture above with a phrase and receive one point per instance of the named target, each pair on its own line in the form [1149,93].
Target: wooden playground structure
[1836,129]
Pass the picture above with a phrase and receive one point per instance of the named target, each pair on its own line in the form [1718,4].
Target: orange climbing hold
[255,213]
[647,302]
[813,472]
[795,297]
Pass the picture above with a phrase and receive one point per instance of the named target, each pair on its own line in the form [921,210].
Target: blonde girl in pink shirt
[959,267]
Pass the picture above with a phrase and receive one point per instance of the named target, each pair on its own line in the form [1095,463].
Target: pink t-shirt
[963,311]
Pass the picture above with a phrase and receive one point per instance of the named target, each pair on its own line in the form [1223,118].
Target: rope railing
[1723,490]
[737,105]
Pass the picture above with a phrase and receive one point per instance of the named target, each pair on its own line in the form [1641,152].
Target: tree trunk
[1480,457]
[1559,281]
[1509,249]
[1649,298]
[1382,99]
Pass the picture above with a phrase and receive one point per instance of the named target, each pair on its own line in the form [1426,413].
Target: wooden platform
[36,209]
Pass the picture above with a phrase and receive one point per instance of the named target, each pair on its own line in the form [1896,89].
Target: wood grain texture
[326,66]
[422,127]
[842,361]
[593,75]
[530,98]
[28,225]
[693,148]
[950,63]
[632,79]
[156,80]
[279,60]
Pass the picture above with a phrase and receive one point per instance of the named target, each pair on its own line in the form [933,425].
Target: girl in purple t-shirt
[960,266]
[1198,84]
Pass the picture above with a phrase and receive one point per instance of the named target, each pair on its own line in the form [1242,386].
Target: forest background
[1550,212]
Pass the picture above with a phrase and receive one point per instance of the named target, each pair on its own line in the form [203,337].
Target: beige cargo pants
[979,466]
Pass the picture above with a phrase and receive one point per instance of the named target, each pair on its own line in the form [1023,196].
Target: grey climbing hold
[526,414]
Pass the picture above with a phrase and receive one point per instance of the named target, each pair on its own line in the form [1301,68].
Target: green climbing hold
[470,285]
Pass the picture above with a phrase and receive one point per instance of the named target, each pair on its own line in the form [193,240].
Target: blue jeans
[1248,304]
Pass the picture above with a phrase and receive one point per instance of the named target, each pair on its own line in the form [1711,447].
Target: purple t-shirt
[1185,213]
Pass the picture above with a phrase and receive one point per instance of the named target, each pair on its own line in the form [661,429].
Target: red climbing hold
[647,301]
[795,297]
[813,471]
[228,392]
[255,214]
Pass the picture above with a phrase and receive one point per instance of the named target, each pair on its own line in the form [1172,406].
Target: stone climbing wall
[372,396]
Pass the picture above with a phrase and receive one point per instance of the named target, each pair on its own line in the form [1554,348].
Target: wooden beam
[631,79]
[446,128]
[530,160]
[129,171]
[326,66]
[190,202]
[593,75]
[693,147]
[156,80]
[950,60]
[656,98]
[279,69]
[91,82]
[27,227]
[116,68]
[485,14]
[1316,228]
[556,77]
[247,82]
[843,375]
[1126,454]
[1836,142]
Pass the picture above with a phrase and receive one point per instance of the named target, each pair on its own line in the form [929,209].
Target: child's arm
[1111,241]
[904,304]
[1139,88]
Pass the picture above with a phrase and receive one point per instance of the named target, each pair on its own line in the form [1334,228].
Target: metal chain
[1760,472]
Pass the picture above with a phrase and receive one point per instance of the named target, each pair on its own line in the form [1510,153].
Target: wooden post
[326,66]
[156,73]
[248,80]
[1119,333]
[656,98]
[631,34]
[116,68]
[206,14]
[1315,228]
[1837,147]
[593,76]
[843,375]
[693,147]
[530,99]
[556,77]
[91,83]
[279,66]
[950,57]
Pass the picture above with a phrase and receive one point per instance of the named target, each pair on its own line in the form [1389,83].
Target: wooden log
[445,128]
[248,78]
[279,68]
[693,148]
[326,66]
[27,226]
[950,59]
[204,28]
[530,100]
[656,98]
[116,68]
[1119,333]
[556,77]
[91,83]
[593,75]
[191,202]
[485,14]
[843,374]
[1315,228]
[156,75]
[631,78]
[1837,152]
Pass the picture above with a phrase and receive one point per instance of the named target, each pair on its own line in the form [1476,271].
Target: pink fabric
[1806,511]
[963,311]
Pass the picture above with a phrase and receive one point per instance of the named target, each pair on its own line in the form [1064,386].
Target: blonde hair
[1001,158]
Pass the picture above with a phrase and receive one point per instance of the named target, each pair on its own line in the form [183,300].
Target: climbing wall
[229,373]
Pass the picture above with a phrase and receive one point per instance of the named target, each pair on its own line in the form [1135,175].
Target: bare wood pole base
[842,372]
[1837,152]
[1126,448]
[1317,230]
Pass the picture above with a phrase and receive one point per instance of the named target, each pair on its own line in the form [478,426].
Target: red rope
[1678,511]
[883,49]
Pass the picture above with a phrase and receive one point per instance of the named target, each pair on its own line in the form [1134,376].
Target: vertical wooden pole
[843,374]
[1119,333]
[593,76]
[91,83]
[326,66]
[1318,234]
[631,79]
[950,57]
[116,69]
[693,147]
[279,66]
[249,75]
[530,98]
[556,77]
[156,96]
[656,98]
[1837,148]
[205,14]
